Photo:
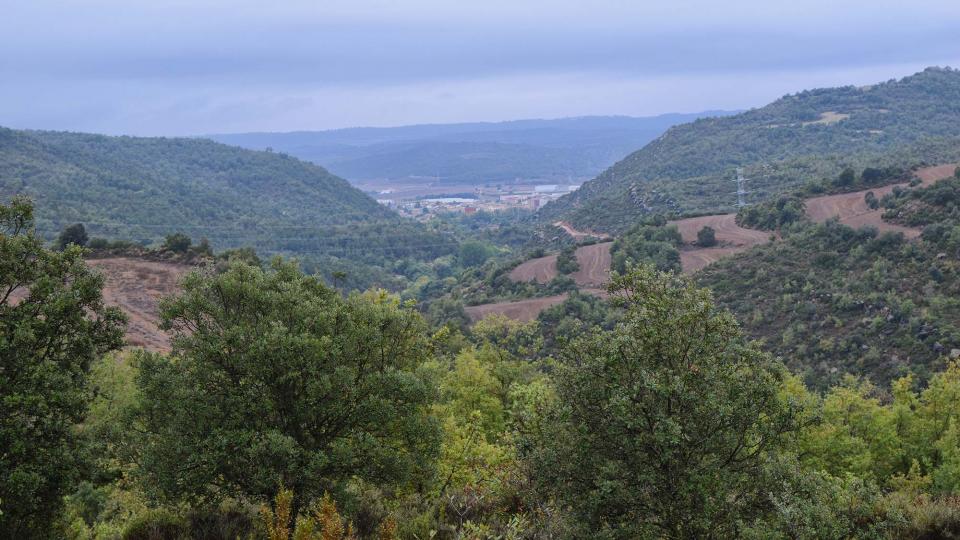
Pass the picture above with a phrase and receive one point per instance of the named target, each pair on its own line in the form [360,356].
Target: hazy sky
[201,66]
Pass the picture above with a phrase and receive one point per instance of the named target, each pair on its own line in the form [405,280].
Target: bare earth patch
[731,237]
[827,118]
[136,287]
[521,310]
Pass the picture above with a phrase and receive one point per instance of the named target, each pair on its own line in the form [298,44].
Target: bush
[706,237]
[177,243]
[567,261]
[157,525]
[74,234]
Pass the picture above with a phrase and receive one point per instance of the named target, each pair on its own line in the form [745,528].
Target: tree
[177,243]
[847,178]
[74,234]
[278,380]
[567,262]
[53,324]
[706,237]
[474,253]
[663,426]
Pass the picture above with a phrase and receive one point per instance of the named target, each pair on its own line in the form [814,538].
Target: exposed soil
[594,260]
[136,286]
[579,235]
[852,209]
[728,233]
[594,265]
[521,310]
[541,270]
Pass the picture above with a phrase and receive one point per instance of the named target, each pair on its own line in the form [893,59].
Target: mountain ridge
[800,137]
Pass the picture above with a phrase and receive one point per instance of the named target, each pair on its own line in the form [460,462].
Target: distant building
[470,210]
[545,188]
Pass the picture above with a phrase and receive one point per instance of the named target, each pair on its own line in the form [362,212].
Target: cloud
[179,66]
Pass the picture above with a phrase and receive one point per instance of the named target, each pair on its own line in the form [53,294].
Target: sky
[191,67]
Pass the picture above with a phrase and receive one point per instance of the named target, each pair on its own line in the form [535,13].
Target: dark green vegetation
[567,260]
[797,139]
[50,333]
[615,448]
[655,244]
[706,237]
[830,300]
[143,189]
[772,215]
[478,153]
[318,389]
[938,203]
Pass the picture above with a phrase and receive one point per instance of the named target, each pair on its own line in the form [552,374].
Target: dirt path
[579,235]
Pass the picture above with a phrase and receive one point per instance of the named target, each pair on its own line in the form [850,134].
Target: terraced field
[850,208]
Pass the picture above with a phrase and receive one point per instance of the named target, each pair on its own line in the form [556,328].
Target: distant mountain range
[471,153]
[805,136]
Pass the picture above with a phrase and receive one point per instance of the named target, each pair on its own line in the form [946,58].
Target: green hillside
[144,188]
[798,138]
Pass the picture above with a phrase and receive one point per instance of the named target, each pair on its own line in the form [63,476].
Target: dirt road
[579,235]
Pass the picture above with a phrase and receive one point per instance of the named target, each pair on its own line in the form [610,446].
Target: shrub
[706,237]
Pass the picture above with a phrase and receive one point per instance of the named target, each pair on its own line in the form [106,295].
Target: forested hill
[800,137]
[559,149]
[144,188]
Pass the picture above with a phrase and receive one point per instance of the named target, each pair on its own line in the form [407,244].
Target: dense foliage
[655,244]
[142,189]
[662,426]
[314,388]
[919,207]
[831,300]
[772,215]
[801,137]
[53,325]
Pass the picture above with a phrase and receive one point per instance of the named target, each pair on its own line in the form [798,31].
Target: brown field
[521,310]
[594,265]
[695,258]
[731,237]
[729,234]
[852,209]
[541,270]
[136,286]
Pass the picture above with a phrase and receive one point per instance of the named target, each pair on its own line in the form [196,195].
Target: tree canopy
[53,324]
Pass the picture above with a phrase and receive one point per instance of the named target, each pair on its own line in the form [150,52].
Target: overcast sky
[183,67]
